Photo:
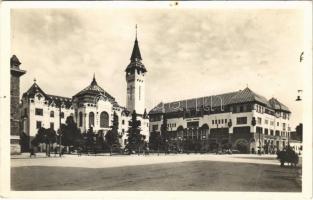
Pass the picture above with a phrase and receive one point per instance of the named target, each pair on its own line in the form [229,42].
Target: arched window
[104,120]
[51,113]
[91,119]
[80,119]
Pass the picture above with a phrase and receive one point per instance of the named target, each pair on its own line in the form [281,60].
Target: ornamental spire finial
[136,31]
[94,82]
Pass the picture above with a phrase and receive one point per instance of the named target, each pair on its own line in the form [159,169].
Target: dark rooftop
[241,96]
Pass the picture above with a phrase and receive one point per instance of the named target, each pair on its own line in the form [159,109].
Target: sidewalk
[105,161]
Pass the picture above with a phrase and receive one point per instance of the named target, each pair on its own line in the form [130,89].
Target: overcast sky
[187,52]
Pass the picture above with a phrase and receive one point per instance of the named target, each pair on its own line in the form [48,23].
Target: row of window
[271,132]
[171,125]
[259,108]
[39,112]
[272,123]
[241,120]
[219,121]
[104,119]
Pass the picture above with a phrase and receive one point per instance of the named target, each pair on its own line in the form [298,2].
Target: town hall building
[92,107]
[241,120]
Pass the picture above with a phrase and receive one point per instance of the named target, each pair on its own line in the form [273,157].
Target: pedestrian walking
[55,151]
[32,153]
[79,151]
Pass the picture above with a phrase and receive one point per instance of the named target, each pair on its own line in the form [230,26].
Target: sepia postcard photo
[147,100]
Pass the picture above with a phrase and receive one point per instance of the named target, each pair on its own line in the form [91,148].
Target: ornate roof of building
[58,100]
[94,89]
[135,59]
[136,65]
[15,62]
[34,89]
[237,97]
[277,105]
[15,67]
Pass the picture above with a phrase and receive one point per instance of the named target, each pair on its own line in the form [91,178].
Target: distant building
[16,73]
[241,119]
[92,107]
[298,134]
[296,145]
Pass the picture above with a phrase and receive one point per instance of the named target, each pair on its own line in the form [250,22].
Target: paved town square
[174,172]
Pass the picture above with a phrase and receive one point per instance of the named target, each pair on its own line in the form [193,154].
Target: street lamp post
[253,123]
[60,133]
[229,126]
[288,135]
[217,139]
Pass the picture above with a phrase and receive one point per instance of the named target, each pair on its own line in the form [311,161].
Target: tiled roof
[208,101]
[14,61]
[136,52]
[58,100]
[135,59]
[136,65]
[94,89]
[30,93]
[248,95]
[241,96]
[276,105]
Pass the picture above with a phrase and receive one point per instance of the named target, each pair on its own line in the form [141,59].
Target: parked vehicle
[288,156]
[234,151]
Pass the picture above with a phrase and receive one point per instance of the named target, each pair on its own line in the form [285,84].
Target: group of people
[32,152]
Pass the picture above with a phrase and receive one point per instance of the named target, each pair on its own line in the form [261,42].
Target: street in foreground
[155,173]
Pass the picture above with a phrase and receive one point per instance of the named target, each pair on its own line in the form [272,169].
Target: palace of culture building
[91,107]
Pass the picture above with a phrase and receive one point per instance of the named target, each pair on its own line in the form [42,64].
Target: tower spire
[94,82]
[136,52]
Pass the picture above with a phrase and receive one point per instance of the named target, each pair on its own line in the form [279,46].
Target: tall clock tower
[135,77]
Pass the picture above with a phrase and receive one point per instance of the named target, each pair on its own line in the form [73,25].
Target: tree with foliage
[90,140]
[299,132]
[135,139]
[112,136]
[164,135]
[70,133]
[155,141]
[24,142]
[46,136]
[101,140]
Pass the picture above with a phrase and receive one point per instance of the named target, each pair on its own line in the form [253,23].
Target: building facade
[16,73]
[242,120]
[92,107]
